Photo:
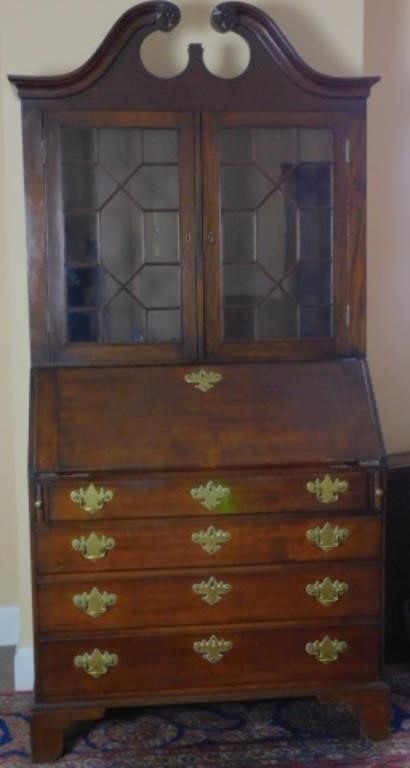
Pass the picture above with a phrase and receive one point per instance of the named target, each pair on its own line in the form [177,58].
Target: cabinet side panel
[44,423]
[35,232]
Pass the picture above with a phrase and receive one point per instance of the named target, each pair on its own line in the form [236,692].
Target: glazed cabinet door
[121,242]
[276,235]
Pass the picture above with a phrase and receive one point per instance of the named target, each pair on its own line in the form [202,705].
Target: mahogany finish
[214,225]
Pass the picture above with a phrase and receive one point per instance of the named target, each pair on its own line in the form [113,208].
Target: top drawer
[199,493]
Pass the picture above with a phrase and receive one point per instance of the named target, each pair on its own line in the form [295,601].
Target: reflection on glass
[315,235]
[277,233]
[80,235]
[315,322]
[277,317]
[121,234]
[82,327]
[161,237]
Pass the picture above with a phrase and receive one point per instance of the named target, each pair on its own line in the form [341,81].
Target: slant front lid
[161,417]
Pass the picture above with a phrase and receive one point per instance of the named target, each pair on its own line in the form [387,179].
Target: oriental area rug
[285,733]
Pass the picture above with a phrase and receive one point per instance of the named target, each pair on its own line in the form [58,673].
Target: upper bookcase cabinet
[195,217]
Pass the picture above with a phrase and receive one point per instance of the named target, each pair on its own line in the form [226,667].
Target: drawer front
[203,542]
[229,595]
[225,493]
[205,659]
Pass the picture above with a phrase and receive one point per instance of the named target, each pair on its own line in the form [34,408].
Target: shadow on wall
[166,55]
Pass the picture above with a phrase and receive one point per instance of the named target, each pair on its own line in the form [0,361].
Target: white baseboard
[24,669]
[9,625]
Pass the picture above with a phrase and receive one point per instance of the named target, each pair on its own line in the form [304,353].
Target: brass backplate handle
[95,603]
[326,650]
[211,591]
[97,663]
[202,379]
[327,537]
[90,499]
[213,649]
[93,547]
[327,591]
[327,491]
[211,540]
[211,495]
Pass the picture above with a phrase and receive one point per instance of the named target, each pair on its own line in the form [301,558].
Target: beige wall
[387,52]
[49,37]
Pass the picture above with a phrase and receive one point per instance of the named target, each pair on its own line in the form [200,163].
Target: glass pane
[157,287]
[315,235]
[310,185]
[236,145]
[277,317]
[161,237]
[120,151]
[276,150]
[164,326]
[245,284]
[239,324]
[309,283]
[160,146]
[121,237]
[315,322]
[277,232]
[123,320]
[316,145]
[243,187]
[86,186]
[89,287]
[78,145]
[80,231]
[276,227]
[155,187]
[121,234]
[82,327]
[238,232]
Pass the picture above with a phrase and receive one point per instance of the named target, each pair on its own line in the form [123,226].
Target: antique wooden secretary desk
[206,463]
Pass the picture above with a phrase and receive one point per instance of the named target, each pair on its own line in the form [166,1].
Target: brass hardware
[212,649]
[327,591]
[38,504]
[91,500]
[212,590]
[328,537]
[211,540]
[95,603]
[326,650]
[327,491]
[203,380]
[210,237]
[96,663]
[188,237]
[93,547]
[211,495]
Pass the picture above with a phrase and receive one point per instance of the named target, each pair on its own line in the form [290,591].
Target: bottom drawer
[224,658]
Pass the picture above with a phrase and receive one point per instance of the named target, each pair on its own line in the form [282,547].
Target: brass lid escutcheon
[203,380]
[327,491]
[95,603]
[91,500]
[211,591]
[327,591]
[211,495]
[93,547]
[326,650]
[213,649]
[96,664]
[211,540]
[327,537]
